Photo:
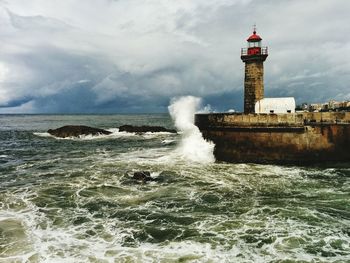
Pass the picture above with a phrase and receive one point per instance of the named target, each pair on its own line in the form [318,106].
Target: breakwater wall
[278,138]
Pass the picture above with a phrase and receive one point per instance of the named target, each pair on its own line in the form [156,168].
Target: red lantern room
[254,46]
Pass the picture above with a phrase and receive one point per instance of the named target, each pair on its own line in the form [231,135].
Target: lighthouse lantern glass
[254,44]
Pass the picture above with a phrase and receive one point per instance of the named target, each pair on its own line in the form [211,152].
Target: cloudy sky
[109,56]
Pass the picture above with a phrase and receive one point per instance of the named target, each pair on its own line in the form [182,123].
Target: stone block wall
[271,120]
[314,144]
[253,84]
[278,138]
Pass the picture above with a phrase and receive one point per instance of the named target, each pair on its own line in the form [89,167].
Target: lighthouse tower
[253,57]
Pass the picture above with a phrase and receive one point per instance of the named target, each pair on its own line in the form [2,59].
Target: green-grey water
[72,200]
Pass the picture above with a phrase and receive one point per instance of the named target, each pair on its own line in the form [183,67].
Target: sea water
[73,200]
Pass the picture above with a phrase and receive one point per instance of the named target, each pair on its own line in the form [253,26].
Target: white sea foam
[65,244]
[263,233]
[115,134]
[192,146]
[167,142]
[42,134]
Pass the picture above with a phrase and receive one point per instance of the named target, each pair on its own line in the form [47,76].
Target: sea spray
[192,146]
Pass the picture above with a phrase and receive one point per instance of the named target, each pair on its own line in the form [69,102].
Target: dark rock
[76,131]
[143,176]
[144,128]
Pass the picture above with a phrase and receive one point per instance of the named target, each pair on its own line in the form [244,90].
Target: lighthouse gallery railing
[262,51]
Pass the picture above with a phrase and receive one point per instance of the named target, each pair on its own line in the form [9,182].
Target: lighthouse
[270,131]
[253,56]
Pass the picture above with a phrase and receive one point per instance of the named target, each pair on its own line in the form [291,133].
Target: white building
[275,105]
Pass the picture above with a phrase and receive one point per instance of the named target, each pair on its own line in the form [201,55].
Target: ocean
[73,200]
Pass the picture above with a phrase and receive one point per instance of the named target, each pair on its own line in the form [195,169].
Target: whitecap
[43,134]
[167,141]
[115,134]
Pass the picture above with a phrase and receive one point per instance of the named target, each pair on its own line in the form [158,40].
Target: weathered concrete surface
[268,120]
[278,138]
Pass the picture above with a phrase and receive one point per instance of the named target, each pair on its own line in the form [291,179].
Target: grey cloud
[36,23]
[123,56]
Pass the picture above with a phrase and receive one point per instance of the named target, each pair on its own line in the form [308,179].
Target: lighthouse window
[254,44]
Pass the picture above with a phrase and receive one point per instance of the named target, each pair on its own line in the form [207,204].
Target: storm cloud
[84,56]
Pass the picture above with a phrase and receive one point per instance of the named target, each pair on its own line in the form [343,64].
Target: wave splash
[192,145]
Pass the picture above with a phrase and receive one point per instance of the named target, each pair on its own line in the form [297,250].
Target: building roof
[254,37]
[275,105]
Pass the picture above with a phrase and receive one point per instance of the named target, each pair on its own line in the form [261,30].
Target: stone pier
[278,138]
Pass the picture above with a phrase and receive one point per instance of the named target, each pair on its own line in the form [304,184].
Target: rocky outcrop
[76,131]
[145,128]
[143,176]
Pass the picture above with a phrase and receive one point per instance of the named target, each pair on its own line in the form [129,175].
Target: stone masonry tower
[253,57]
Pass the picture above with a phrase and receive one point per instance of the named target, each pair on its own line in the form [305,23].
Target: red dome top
[254,37]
